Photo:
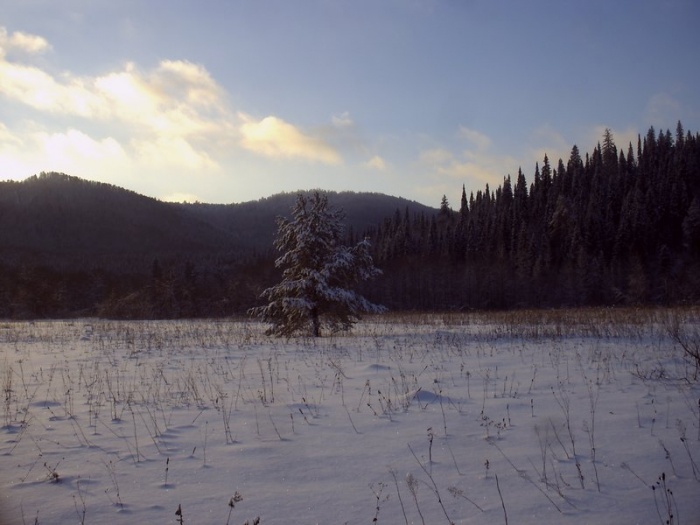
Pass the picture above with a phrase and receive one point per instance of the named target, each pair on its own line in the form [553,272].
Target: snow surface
[428,421]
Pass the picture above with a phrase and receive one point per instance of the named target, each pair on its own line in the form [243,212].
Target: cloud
[193,81]
[177,98]
[477,163]
[7,139]
[435,156]
[77,153]
[24,42]
[273,137]
[32,148]
[11,149]
[173,152]
[477,139]
[377,163]
[75,146]
[474,165]
[38,89]
[343,120]
[35,88]
[484,169]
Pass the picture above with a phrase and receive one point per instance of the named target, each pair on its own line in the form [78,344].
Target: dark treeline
[174,288]
[607,228]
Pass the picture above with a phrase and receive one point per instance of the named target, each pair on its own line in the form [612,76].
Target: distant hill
[252,225]
[65,221]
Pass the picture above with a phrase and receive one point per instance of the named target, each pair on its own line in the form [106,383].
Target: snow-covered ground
[463,419]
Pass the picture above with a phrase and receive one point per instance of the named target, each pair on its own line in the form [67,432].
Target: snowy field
[563,417]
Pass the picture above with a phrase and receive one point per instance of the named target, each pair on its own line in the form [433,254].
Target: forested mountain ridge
[70,246]
[55,219]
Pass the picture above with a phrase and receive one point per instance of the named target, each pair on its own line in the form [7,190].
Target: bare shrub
[685,335]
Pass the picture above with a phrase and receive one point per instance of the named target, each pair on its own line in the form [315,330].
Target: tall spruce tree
[319,271]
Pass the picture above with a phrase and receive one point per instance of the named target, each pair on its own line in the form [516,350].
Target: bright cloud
[75,146]
[33,149]
[11,161]
[273,137]
[35,88]
[178,98]
[191,81]
[77,153]
[126,95]
[174,152]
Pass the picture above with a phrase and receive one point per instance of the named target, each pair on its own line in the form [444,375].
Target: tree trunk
[316,325]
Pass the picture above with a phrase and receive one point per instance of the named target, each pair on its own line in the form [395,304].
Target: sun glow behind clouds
[173,116]
[34,150]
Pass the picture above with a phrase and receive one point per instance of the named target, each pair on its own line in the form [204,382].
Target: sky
[231,101]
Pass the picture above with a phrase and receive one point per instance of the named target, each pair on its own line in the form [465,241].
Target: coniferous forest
[615,226]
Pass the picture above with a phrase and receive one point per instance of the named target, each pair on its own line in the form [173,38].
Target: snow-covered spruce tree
[318,274]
